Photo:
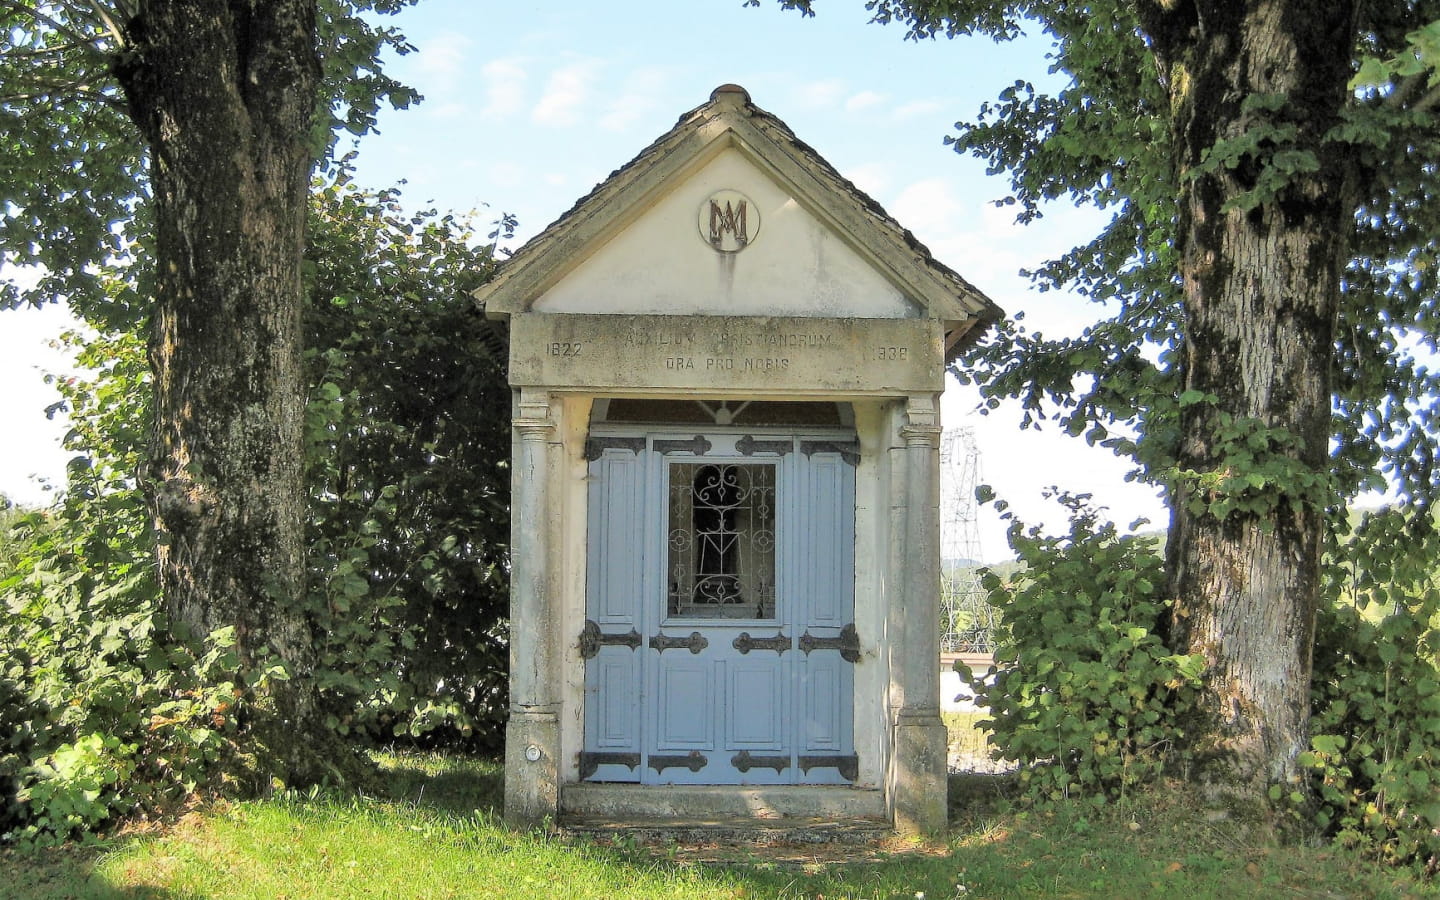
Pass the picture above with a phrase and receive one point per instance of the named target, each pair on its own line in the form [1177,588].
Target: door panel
[614,671]
[826,556]
[720,593]
[756,715]
[686,703]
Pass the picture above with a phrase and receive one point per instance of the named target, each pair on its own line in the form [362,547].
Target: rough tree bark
[224,92]
[1261,291]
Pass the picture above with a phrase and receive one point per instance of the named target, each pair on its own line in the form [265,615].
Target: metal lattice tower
[966,620]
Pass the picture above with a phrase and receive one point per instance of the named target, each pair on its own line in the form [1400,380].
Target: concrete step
[730,830]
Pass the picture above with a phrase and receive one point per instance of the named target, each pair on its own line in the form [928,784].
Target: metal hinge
[694,761]
[694,643]
[590,762]
[745,643]
[592,639]
[848,643]
[847,765]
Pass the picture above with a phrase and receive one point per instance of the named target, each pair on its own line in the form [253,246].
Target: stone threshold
[729,831]
[703,803]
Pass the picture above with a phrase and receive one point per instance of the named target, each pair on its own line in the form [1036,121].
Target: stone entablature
[757,355]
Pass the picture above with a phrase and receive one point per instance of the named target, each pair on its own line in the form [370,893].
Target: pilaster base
[919,775]
[532,771]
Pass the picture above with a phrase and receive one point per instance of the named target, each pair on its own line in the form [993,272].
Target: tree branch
[1404,89]
[81,90]
[109,23]
[52,50]
[1431,98]
[59,27]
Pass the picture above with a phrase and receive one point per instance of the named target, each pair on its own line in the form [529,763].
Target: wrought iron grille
[721,537]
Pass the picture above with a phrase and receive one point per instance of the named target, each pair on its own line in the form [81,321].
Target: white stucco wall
[660,263]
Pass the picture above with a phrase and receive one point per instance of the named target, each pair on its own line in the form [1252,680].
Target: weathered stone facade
[728,305]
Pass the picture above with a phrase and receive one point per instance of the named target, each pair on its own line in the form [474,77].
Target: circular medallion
[728,221]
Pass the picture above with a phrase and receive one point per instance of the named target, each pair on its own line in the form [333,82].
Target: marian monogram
[729,221]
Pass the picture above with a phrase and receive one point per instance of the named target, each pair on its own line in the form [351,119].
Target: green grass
[438,836]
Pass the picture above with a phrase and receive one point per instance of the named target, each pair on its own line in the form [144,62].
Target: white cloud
[872,178]
[964,232]
[441,62]
[566,93]
[504,88]
[930,207]
[639,97]
[917,108]
[864,100]
[508,174]
[448,110]
[820,93]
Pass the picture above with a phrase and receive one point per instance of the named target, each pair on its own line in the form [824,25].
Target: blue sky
[529,105]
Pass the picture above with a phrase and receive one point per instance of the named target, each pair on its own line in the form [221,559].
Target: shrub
[1375,724]
[1083,687]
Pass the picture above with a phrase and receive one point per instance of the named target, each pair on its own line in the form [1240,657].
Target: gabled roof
[730,120]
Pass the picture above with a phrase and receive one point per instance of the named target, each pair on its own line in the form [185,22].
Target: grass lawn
[438,836]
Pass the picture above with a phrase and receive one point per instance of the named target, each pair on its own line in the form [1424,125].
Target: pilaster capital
[922,421]
[533,421]
[534,429]
[921,435]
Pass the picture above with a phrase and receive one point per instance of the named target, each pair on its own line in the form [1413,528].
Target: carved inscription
[736,351]
[726,351]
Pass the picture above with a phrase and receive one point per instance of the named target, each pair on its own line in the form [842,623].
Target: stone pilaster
[532,735]
[918,762]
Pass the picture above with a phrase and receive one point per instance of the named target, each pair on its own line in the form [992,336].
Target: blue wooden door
[719,642]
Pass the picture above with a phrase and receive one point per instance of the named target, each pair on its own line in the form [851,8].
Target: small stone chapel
[727,363]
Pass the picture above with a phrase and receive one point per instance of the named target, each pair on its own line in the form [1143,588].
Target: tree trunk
[224,92]
[1261,290]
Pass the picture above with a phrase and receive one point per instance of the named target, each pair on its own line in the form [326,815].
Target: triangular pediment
[793,238]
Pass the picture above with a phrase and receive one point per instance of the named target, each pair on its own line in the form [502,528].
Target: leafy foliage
[408,429]
[110,716]
[1082,684]
[74,191]
[1195,152]
[1375,732]
[407,472]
